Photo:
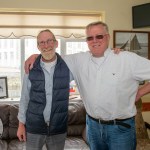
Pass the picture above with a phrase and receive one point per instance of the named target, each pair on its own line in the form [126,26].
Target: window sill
[9,100]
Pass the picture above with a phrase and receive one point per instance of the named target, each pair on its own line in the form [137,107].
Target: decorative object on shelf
[134,41]
[3,87]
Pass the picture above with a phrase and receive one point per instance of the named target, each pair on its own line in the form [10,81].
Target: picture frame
[134,41]
[3,87]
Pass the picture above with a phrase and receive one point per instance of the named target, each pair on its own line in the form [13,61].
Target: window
[10,65]
[5,56]
[18,39]
[10,61]
[76,47]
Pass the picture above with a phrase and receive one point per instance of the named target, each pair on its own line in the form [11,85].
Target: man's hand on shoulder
[116,50]
[29,62]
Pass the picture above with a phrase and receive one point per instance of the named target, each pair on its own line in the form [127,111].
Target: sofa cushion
[16,145]
[13,121]
[10,121]
[4,116]
[75,130]
[77,112]
[3,145]
[8,115]
[75,143]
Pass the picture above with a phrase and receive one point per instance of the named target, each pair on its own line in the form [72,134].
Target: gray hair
[98,23]
[46,30]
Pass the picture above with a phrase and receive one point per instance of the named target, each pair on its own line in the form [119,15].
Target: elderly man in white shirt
[109,87]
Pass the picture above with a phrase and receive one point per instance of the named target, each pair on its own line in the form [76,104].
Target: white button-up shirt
[108,85]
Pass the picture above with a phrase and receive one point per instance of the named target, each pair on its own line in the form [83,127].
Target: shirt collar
[51,64]
[98,60]
[107,51]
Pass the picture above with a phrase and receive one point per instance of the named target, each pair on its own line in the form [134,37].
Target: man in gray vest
[43,106]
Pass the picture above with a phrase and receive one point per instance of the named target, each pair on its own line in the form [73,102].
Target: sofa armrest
[76,114]
[13,121]
[4,116]
[8,116]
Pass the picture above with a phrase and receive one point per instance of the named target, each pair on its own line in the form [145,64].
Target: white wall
[117,12]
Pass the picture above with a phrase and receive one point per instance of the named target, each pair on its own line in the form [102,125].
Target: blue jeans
[111,137]
[87,138]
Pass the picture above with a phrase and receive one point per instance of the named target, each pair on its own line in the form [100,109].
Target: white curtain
[18,24]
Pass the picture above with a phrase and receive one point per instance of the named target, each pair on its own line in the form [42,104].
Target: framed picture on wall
[134,41]
[3,87]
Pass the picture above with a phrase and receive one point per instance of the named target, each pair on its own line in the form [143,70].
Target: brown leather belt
[113,122]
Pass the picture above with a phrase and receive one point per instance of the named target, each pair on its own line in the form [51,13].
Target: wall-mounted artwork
[134,41]
[3,87]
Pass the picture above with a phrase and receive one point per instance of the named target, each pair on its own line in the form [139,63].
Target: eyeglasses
[98,37]
[49,41]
